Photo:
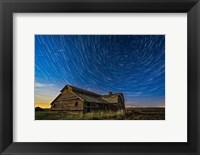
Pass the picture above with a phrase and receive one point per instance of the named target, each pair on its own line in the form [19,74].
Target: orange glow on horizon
[42,105]
[43,102]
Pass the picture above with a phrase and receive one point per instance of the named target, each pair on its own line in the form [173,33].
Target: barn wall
[68,101]
[121,104]
[91,107]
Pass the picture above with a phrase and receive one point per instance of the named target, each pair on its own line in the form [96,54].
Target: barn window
[76,103]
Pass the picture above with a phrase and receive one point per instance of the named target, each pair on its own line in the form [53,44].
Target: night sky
[131,64]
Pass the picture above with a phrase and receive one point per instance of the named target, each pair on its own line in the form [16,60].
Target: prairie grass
[131,114]
[58,115]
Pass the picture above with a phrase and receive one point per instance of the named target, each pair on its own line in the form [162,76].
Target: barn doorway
[88,107]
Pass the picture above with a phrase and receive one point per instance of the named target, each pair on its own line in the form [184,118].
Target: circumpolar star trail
[131,64]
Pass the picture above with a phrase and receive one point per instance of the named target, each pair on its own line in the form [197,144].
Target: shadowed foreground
[131,114]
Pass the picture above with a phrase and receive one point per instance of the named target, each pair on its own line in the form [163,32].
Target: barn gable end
[67,100]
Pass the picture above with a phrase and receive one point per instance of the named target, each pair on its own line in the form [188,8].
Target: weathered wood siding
[68,101]
[91,107]
[120,103]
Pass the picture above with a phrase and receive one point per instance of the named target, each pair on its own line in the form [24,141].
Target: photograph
[99,77]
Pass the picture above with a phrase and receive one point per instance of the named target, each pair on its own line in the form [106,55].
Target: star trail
[131,64]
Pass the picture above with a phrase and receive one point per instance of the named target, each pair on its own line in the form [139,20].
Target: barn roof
[111,98]
[79,90]
[89,96]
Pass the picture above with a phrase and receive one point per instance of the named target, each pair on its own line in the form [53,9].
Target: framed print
[80,76]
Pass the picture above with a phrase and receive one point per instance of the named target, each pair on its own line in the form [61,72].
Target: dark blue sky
[131,64]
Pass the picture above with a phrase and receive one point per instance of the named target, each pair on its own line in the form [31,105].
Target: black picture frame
[8,7]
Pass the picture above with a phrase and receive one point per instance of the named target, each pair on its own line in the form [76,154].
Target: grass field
[145,113]
[131,114]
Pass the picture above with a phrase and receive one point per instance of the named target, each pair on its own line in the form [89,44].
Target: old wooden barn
[75,99]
